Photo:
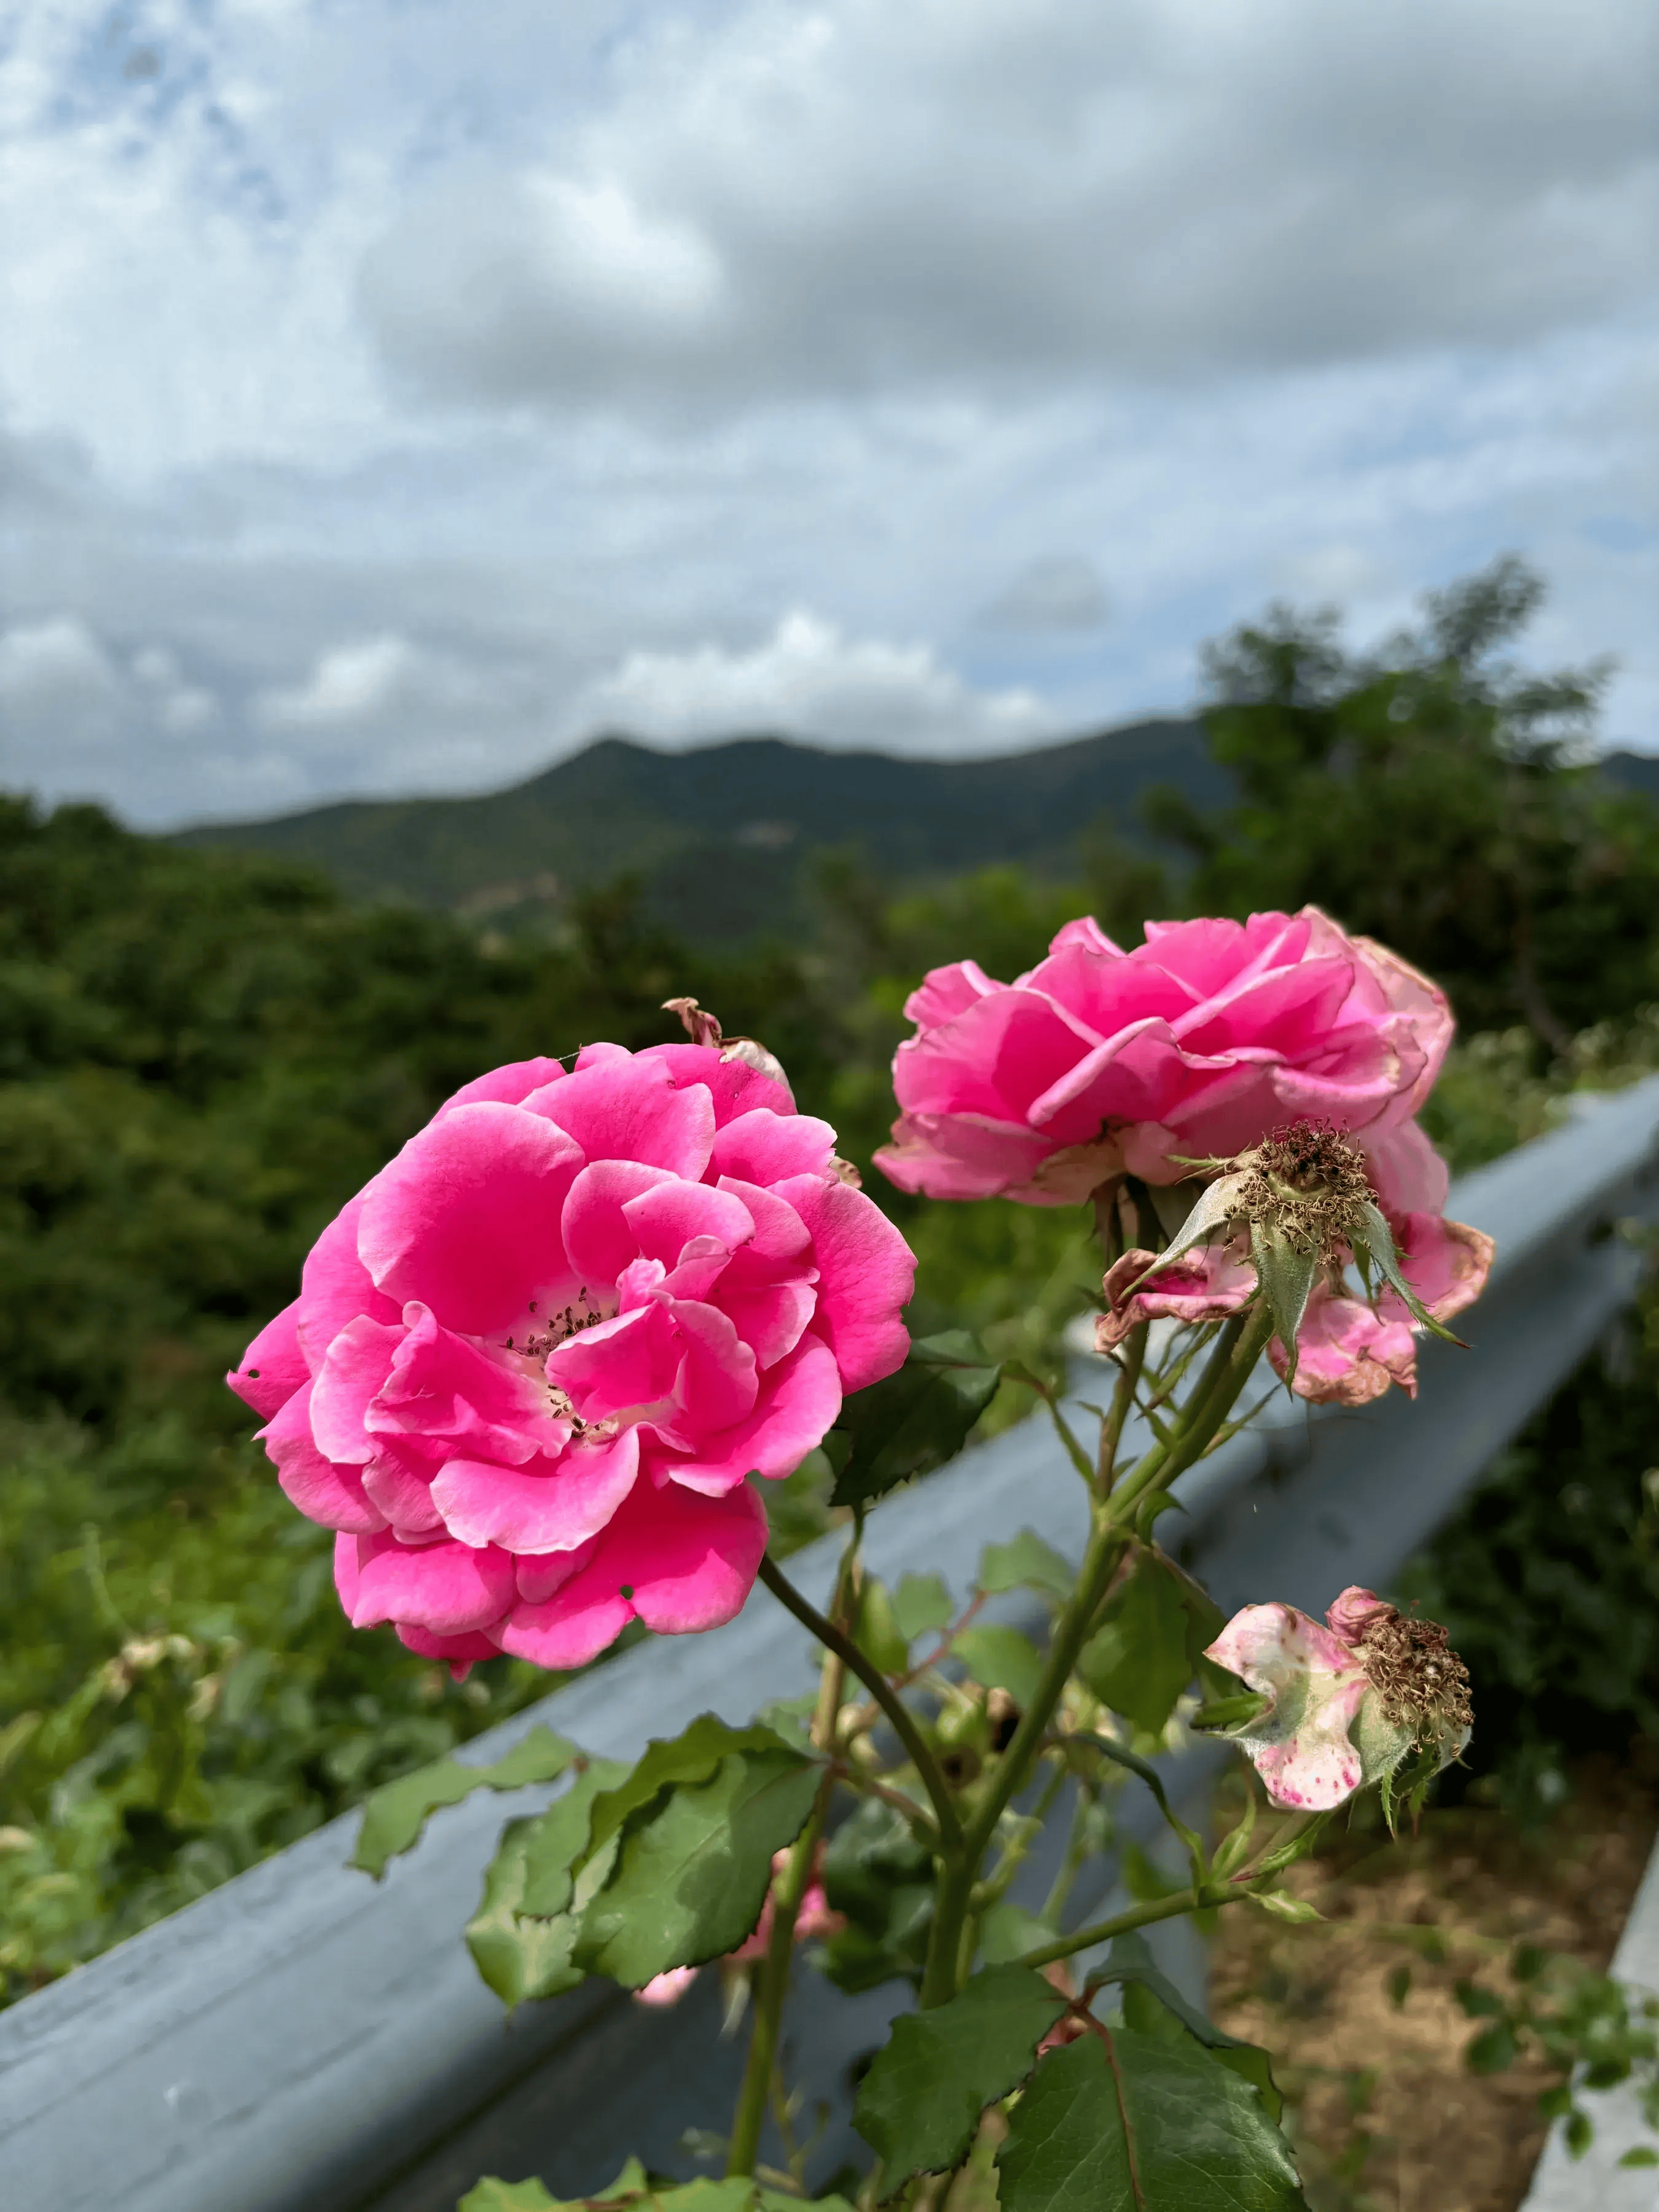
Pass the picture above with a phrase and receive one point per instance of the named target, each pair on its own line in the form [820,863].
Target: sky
[395,393]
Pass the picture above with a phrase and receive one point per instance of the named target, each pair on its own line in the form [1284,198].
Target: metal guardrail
[305,2040]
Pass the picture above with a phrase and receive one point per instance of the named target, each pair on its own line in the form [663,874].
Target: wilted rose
[1318,1200]
[1349,1702]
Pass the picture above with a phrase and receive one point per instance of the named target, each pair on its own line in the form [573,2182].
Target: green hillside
[724,838]
[722,835]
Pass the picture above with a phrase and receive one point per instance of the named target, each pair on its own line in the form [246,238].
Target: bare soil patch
[1385,2114]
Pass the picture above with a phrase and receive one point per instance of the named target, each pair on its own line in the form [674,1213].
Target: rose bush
[534,1362]
[1101,1062]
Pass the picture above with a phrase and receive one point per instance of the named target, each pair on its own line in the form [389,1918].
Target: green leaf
[876,1630]
[1130,1964]
[1001,1659]
[920,1603]
[692,1756]
[1378,1239]
[630,2182]
[1493,2050]
[879,1877]
[519,1957]
[1281,1906]
[1230,1712]
[1286,1276]
[1118,2122]
[1028,1563]
[914,1420]
[492,2196]
[395,1816]
[1139,1660]
[693,1863]
[791,1717]
[918,2105]
[556,1841]
[1215,1207]
[1008,1931]
[1642,2155]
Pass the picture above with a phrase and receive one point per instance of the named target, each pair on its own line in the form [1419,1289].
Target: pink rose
[532,1364]
[1346,1702]
[1101,1062]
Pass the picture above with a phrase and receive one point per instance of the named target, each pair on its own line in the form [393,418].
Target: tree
[1435,795]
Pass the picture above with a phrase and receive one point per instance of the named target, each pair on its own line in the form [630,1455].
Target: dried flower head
[1306,1184]
[1283,1221]
[1375,1696]
[1420,1682]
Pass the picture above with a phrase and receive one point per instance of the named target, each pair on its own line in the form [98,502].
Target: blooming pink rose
[1100,1062]
[533,1363]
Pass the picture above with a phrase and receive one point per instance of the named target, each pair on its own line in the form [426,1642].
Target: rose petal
[442,1388]
[867,1273]
[796,1409]
[678,1562]
[324,1492]
[336,1287]
[550,1505]
[506,1086]
[446,1587]
[273,1367]
[735,1086]
[358,1362]
[631,1110]
[466,1218]
[761,1147]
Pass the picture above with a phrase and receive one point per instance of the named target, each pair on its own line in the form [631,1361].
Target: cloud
[351,683]
[57,670]
[951,323]
[1061,592]
[968,193]
[807,680]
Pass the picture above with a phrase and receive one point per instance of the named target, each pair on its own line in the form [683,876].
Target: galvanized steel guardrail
[305,2040]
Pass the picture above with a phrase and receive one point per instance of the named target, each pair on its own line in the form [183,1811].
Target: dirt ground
[1384,2113]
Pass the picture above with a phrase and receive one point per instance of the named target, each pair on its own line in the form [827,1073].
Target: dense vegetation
[203,1054]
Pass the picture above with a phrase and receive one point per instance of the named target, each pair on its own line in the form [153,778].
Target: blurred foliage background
[203,1055]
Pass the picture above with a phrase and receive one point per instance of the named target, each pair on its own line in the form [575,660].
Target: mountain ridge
[722,838]
[722,835]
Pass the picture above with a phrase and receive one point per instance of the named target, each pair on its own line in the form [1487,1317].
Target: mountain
[723,836]
[1635,771]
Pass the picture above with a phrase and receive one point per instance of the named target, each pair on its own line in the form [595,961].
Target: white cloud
[351,683]
[56,668]
[959,323]
[848,197]
[807,680]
